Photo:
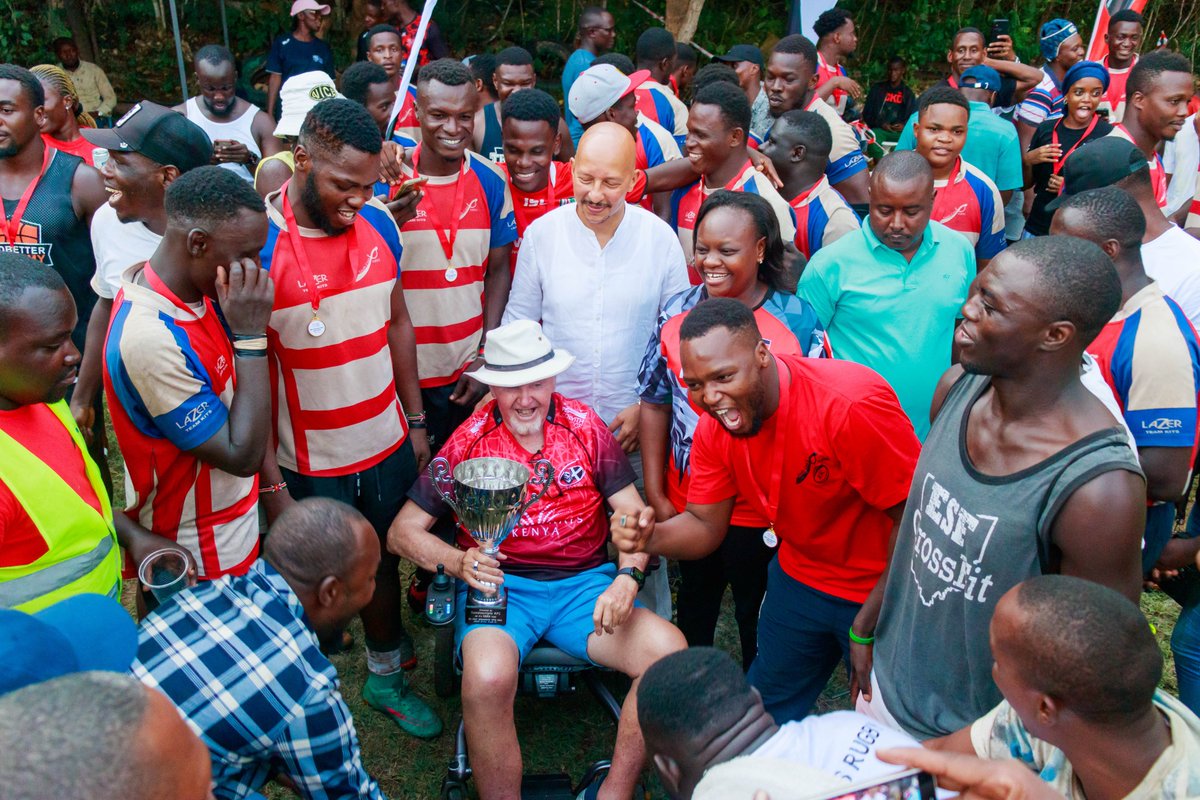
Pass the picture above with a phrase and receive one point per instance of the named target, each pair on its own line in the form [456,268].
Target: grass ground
[561,735]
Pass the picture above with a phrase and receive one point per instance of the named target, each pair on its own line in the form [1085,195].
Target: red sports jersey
[827,72]
[1114,96]
[1158,175]
[406,129]
[566,531]
[825,468]
[559,191]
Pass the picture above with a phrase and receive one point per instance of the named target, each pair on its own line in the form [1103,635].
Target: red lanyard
[769,500]
[446,234]
[952,81]
[13,225]
[293,231]
[1058,165]
[209,320]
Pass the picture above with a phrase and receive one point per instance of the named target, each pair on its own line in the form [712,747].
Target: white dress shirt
[599,303]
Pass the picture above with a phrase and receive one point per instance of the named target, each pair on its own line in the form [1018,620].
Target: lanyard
[1058,165]
[209,320]
[952,82]
[769,500]
[11,226]
[446,234]
[316,327]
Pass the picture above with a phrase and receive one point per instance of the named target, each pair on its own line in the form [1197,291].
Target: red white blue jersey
[846,158]
[169,379]
[968,202]
[566,531]
[655,146]
[822,217]
[406,129]
[686,202]
[788,324]
[1150,357]
[333,396]
[825,73]
[659,104]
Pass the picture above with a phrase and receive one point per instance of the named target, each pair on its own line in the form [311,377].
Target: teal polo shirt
[992,146]
[895,316]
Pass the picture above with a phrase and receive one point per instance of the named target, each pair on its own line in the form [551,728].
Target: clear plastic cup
[164,573]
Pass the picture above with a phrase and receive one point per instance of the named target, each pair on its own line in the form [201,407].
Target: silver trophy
[489,497]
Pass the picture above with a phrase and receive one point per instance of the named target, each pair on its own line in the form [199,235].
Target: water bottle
[439,601]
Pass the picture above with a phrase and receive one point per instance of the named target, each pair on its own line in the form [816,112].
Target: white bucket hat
[519,353]
[297,97]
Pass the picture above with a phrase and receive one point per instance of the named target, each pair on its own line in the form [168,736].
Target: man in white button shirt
[597,273]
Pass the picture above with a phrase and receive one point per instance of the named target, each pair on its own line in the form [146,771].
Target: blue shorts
[558,611]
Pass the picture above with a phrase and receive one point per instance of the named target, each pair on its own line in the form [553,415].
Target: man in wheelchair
[561,586]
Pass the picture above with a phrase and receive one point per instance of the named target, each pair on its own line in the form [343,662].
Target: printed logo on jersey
[372,257]
[29,244]
[572,474]
[950,548]
[194,417]
[471,206]
[1162,425]
[956,212]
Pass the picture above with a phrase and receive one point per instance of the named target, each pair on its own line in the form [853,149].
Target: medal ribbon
[293,231]
[769,500]
[446,234]
[1058,165]
[12,226]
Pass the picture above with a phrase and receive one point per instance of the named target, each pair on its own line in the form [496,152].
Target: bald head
[604,173]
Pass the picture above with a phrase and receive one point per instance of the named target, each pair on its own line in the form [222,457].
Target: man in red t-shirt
[824,452]
[560,585]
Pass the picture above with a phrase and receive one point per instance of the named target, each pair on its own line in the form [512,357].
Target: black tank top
[493,137]
[51,233]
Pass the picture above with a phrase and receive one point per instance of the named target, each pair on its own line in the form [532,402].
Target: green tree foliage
[137,48]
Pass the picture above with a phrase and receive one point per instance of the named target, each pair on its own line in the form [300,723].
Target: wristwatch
[638,576]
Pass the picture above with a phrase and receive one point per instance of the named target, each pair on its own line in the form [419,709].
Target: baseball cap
[300,6]
[742,52]
[1097,164]
[160,134]
[980,76]
[297,97]
[81,633]
[597,88]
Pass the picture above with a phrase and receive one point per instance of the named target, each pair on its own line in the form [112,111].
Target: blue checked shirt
[238,658]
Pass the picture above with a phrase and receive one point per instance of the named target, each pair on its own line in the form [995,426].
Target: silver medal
[316,327]
[451,274]
[769,537]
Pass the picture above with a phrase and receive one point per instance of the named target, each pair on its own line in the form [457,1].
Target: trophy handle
[543,476]
[439,473]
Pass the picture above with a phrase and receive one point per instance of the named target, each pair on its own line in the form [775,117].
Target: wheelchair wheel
[453,790]
[446,680]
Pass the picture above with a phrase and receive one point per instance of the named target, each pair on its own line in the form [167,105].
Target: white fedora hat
[519,353]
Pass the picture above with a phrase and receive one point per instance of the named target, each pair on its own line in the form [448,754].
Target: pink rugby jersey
[169,379]
[333,393]
[968,202]
[460,218]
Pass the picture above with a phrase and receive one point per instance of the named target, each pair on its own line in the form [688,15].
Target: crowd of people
[915,377]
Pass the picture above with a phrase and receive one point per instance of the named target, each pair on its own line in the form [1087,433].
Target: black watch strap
[638,576]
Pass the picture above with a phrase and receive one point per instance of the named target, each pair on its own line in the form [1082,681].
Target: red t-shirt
[566,531]
[528,206]
[80,147]
[843,452]
[38,430]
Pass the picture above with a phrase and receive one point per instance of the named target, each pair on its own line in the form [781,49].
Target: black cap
[160,134]
[1097,164]
[742,52]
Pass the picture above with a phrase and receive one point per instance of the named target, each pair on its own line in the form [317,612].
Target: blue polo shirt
[895,316]
[992,146]
[579,61]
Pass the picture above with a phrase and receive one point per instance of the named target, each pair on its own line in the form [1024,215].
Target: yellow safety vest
[82,555]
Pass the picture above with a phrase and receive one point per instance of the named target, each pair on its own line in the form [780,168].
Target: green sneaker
[392,695]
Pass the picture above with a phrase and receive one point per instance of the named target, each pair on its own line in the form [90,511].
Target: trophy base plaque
[486,611]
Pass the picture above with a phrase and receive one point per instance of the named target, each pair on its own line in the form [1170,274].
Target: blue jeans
[1185,641]
[802,634]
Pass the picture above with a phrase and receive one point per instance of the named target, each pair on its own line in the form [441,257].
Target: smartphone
[411,185]
[1000,28]
[911,785]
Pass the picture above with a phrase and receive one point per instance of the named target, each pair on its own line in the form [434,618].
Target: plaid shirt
[238,658]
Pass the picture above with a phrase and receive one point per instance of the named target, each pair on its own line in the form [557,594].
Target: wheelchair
[546,673]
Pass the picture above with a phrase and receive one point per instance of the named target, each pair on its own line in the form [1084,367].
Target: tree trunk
[682,18]
[81,31]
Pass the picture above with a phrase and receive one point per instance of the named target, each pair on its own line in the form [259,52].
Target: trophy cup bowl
[489,497]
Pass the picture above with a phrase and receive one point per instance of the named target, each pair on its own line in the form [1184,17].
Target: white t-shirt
[1181,160]
[841,743]
[118,245]
[1173,259]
